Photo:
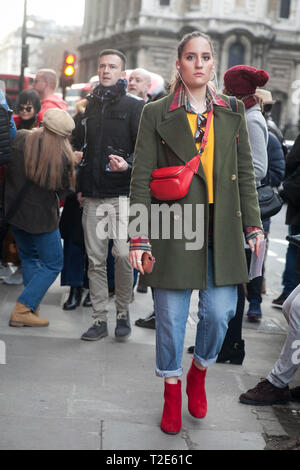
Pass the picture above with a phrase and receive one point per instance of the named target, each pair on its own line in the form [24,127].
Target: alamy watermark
[160,222]
[2,353]
[296,354]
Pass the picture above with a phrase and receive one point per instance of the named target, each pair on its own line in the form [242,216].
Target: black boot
[74,299]
[87,301]
[232,352]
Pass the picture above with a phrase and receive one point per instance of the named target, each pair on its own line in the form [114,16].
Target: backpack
[5,139]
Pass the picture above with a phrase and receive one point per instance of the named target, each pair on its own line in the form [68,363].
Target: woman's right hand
[135,259]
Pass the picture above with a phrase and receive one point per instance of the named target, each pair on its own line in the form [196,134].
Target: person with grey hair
[45,84]
[139,83]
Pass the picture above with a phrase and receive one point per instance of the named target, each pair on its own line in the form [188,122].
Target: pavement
[58,392]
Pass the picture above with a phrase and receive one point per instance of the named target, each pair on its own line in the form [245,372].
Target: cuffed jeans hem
[205,362]
[167,374]
[274,380]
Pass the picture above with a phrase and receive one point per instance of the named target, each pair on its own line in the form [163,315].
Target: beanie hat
[58,121]
[244,79]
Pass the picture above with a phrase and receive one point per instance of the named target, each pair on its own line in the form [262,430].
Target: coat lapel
[176,132]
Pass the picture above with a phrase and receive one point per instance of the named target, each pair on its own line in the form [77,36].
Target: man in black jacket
[107,135]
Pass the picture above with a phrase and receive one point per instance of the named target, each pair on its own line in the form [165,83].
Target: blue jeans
[42,261]
[290,278]
[217,306]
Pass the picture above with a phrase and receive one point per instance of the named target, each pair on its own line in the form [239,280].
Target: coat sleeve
[293,157]
[276,170]
[246,178]
[258,136]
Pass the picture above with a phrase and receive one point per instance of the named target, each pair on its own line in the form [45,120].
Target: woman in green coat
[198,241]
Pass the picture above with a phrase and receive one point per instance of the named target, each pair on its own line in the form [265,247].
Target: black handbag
[270,202]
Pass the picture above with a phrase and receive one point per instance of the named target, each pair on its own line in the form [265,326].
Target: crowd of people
[68,177]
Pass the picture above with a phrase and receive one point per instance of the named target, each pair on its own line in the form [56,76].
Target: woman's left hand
[259,239]
[135,259]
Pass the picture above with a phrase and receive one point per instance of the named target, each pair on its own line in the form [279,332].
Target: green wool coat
[165,139]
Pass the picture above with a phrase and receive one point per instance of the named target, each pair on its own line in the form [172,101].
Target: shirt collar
[181,99]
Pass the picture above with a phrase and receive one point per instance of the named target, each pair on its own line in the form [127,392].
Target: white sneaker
[16,279]
[5,271]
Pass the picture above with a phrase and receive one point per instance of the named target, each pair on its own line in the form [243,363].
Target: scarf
[112,92]
[249,101]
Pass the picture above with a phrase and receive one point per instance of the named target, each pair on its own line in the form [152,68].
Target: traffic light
[68,70]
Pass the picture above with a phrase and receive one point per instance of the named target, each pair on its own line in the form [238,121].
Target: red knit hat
[243,79]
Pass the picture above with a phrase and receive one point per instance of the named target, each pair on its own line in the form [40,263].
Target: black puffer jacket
[111,128]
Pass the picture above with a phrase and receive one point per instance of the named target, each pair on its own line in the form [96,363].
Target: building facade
[262,33]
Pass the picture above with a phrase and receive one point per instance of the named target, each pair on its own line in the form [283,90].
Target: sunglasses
[25,108]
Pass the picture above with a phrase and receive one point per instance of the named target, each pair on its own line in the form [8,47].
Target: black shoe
[123,328]
[280,300]
[148,322]
[96,332]
[74,299]
[233,353]
[295,394]
[87,301]
[191,350]
[266,393]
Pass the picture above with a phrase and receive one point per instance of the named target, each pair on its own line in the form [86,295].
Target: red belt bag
[173,182]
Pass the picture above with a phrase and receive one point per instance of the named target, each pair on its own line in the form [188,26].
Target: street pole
[24,56]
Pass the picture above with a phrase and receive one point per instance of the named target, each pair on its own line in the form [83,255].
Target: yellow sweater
[207,158]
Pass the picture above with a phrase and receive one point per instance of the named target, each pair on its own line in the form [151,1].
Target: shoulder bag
[173,182]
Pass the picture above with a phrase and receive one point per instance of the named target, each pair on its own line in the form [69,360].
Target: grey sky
[68,12]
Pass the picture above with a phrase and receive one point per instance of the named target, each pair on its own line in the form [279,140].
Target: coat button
[233,178]
[238,214]
[176,217]
[163,142]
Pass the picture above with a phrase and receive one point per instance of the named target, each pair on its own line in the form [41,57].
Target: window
[285,8]
[236,54]
[164,3]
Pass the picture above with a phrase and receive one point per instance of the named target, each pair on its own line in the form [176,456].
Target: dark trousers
[74,273]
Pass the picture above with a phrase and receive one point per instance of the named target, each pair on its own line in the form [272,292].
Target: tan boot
[23,316]
[37,312]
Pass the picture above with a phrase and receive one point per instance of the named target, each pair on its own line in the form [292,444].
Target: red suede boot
[171,418]
[195,389]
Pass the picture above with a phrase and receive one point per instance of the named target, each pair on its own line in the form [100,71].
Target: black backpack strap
[15,205]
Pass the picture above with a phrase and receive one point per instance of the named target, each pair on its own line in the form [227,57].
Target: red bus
[12,86]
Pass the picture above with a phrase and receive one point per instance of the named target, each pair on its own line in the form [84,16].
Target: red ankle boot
[171,418]
[195,390]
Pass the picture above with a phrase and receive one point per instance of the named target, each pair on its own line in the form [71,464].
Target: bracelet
[140,243]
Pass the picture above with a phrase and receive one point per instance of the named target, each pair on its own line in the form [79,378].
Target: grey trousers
[105,219]
[289,360]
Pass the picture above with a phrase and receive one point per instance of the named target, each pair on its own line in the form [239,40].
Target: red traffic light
[70,59]
[69,65]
